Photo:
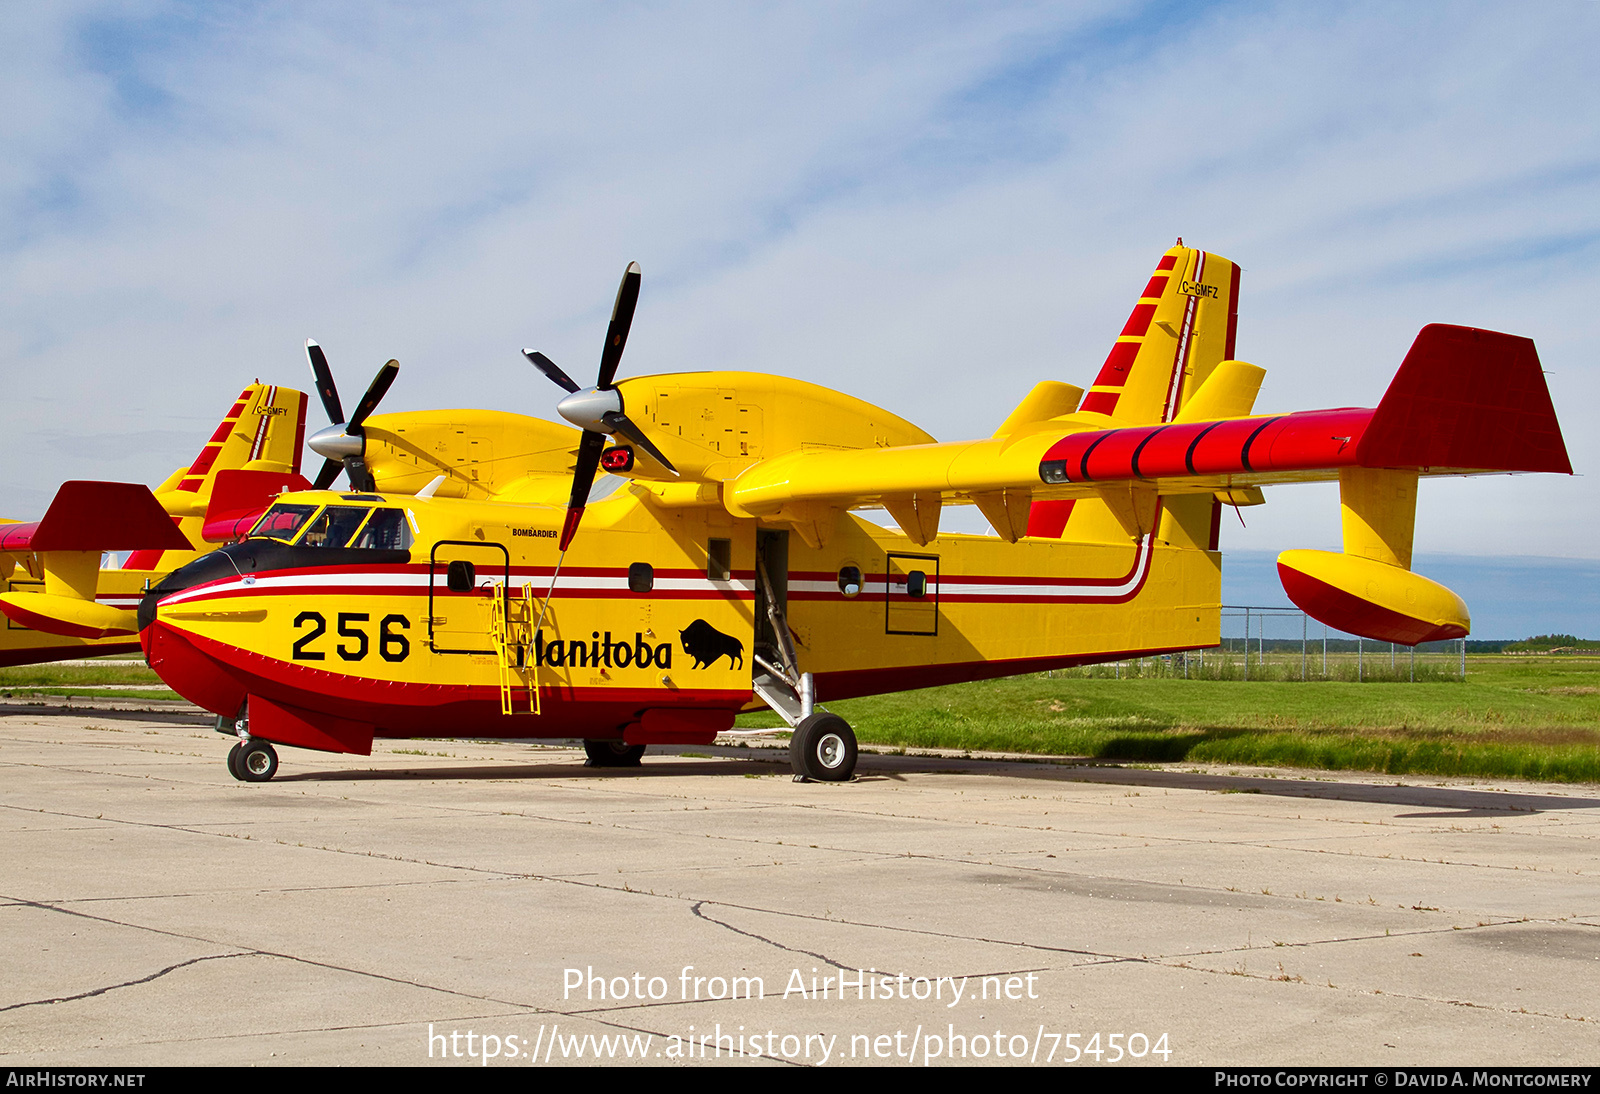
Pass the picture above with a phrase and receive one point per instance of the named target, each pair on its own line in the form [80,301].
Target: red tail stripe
[1139,321]
[1118,362]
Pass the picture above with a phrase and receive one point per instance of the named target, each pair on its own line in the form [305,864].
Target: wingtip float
[722,566]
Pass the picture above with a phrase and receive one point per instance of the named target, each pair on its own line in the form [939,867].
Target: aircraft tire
[823,748]
[612,753]
[233,762]
[257,762]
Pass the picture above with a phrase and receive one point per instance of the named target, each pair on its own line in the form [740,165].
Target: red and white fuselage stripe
[948,588]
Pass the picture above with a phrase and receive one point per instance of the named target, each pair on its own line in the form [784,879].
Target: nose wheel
[253,762]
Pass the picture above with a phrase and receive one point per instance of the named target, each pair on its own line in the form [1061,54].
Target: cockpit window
[281,522]
[386,531]
[334,527]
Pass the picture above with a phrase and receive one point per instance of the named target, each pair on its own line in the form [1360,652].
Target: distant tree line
[1539,643]
[1548,643]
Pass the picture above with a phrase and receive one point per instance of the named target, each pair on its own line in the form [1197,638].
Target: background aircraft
[58,601]
[729,570]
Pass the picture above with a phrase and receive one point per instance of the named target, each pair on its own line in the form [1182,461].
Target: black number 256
[392,645]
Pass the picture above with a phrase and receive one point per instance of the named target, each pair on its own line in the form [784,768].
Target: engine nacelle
[1373,599]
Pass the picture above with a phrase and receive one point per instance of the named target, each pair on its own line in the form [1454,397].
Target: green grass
[1533,717]
[1522,717]
[29,681]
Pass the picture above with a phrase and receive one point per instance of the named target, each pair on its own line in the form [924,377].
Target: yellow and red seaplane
[722,564]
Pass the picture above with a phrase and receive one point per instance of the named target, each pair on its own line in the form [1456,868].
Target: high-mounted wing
[1464,401]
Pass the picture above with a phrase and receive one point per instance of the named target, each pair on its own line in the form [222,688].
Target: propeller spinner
[342,444]
[598,410]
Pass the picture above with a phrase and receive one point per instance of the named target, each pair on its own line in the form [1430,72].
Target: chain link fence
[1268,643]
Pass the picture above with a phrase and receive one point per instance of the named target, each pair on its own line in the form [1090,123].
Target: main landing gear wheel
[612,754]
[257,761]
[233,762]
[823,749]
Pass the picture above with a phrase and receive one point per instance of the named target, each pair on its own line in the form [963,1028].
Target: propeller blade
[550,369]
[621,423]
[621,320]
[582,480]
[324,377]
[375,391]
[330,471]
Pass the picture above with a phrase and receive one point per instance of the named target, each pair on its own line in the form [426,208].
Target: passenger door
[912,600]
[460,620]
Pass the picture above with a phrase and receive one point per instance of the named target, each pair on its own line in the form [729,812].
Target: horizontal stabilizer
[1469,399]
[98,516]
[1464,401]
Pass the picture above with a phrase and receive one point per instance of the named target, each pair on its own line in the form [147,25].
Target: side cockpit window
[386,531]
[334,527]
[281,522]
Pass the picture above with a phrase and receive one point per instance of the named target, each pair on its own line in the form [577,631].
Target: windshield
[281,522]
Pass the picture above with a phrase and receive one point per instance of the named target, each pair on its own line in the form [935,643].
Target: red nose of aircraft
[180,658]
[187,670]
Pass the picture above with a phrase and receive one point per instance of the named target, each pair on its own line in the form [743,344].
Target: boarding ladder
[512,632]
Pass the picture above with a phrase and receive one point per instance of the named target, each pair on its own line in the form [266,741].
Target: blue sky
[928,206]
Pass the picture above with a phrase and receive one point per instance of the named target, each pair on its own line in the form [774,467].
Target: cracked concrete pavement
[156,911]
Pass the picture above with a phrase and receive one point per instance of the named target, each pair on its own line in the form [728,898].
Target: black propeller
[342,444]
[598,410]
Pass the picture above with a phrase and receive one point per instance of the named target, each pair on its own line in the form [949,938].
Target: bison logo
[706,644]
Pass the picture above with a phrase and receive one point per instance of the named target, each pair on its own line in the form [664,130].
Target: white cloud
[929,207]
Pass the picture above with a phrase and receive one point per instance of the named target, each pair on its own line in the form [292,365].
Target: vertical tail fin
[264,430]
[1183,326]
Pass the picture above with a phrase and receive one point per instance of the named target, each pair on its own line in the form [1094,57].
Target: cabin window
[460,576]
[281,522]
[719,559]
[641,577]
[917,584]
[334,527]
[386,531]
[850,581]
